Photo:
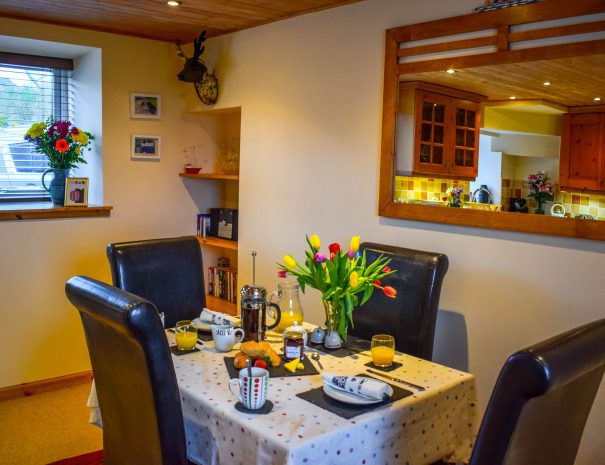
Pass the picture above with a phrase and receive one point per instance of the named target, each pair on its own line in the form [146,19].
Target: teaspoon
[315,356]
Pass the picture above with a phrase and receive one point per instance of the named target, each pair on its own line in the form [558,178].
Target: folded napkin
[217,318]
[359,385]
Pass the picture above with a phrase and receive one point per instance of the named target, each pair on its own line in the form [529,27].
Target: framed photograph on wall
[76,192]
[145,148]
[145,106]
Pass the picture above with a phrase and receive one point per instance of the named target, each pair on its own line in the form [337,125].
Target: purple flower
[319,257]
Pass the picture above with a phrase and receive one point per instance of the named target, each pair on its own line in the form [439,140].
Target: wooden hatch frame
[500,33]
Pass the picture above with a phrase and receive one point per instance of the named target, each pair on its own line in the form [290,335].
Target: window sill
[11,211]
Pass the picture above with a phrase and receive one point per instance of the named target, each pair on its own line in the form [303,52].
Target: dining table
[437,423]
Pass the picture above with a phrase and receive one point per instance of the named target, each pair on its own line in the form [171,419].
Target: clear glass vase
[334,312]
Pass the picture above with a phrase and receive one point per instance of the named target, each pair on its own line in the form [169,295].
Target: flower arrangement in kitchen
[61,142]
[540,189]
[339,276]
[453,197]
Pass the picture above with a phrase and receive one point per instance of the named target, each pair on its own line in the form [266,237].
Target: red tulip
[390,292]
[377,283]
[386,269]
[281,273]
[334,248]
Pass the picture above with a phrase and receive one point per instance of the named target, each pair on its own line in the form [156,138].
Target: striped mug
[252,390]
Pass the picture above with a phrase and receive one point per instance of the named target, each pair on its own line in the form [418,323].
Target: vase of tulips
[341,277]
[63,144]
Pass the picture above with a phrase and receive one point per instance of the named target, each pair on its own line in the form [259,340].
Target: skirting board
[45,385]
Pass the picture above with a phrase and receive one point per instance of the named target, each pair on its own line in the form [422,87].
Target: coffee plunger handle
[278,314]
[254,268]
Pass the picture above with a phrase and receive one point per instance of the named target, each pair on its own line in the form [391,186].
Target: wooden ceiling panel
[154,19]
[573,81]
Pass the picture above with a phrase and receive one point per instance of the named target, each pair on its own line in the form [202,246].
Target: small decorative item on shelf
[339,276]
[63,144]
[540,189]
[229,158]
[453,197]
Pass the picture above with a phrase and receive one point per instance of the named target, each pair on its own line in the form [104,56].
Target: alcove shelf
[218,242]
[228,177]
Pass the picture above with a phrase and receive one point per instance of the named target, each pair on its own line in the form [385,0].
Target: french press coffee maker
[254,309]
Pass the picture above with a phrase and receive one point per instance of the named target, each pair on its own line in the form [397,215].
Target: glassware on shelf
[229,157]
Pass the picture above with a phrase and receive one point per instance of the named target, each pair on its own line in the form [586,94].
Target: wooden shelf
[228,177]
[220,305]
[218,242]
[11,211]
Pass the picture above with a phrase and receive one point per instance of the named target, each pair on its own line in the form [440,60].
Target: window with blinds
[28,94]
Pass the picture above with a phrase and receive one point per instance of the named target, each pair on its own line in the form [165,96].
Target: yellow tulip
[354,279]
[290,262]
[315,242]
[354,246]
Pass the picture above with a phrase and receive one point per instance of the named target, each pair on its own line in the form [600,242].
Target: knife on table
[397,380]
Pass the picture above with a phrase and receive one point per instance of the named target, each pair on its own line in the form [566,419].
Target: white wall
[311,95]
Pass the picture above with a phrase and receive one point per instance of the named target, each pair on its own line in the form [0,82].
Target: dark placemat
[259,411]
[354,345]
[275,372]
[318,397]
[176,351]
[393,366]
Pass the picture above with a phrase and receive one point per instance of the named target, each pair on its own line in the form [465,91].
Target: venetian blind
[31,90]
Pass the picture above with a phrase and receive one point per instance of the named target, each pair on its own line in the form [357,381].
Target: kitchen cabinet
[440,131]
[218,190]
[582,152]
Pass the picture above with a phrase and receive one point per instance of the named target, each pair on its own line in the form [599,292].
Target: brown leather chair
[410,317]
[539,406]
[168,272]
[134,376]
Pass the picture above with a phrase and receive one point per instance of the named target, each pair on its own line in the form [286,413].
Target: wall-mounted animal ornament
[196,71]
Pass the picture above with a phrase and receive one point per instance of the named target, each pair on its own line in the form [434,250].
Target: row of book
[222,282]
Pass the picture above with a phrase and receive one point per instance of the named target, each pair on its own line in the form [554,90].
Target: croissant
[261,350]
[240,360]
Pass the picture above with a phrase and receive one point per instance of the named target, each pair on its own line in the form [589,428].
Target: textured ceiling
[154,19]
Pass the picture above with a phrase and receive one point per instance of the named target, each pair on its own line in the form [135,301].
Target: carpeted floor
[47,427]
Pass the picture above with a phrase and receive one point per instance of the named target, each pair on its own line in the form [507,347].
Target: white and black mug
[226,336]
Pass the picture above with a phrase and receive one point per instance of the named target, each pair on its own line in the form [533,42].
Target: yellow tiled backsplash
[574,202]
[416,188]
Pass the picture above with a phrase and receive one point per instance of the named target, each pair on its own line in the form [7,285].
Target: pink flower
[282,273]
[319,257]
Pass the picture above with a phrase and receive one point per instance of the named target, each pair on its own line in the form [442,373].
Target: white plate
[347,398]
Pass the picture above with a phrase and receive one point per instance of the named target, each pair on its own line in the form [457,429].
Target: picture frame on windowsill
[76,192]
[145,148]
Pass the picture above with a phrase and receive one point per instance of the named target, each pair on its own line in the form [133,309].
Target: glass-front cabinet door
[446,135]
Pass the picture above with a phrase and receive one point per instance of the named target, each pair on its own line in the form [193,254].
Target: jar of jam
[295,338]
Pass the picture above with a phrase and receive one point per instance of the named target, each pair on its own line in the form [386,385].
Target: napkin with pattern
[218,318]
[359,385]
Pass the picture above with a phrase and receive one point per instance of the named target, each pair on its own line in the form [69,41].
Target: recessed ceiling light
[546,83]
[174,2]
[597,99]
[512,97]
[450,71]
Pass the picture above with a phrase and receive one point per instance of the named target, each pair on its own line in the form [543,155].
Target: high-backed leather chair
[411,316]
[134,376]
[168,272]
[541,400]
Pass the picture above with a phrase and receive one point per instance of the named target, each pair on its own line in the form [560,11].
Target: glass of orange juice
[383,350]
[186,335]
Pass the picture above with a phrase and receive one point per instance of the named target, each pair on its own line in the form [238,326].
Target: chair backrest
[167,272]
[410,317]
[134,375]
[541,400]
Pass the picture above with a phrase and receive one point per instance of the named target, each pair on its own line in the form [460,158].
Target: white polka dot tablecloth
[438,423]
